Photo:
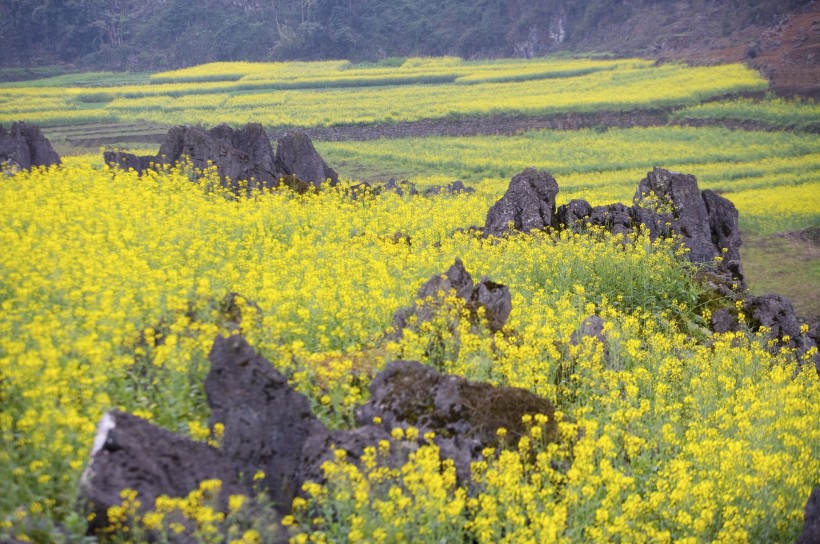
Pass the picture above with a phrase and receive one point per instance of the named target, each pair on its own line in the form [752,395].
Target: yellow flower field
[337,93]
[110,286]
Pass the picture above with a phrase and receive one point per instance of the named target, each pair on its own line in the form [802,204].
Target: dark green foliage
[157,34]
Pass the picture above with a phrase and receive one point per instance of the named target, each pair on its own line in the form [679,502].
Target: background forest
[160,34]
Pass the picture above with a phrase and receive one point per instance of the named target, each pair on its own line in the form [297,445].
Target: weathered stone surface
[127,161]
[775,312]
[493,297]
[464,415]
[591,327]
[266,422]
[690,217]
[131,453]
[616,218]
[318,449]
[454,188]
[24,146]
[573,214]
[243,154]
[528,204]
[723,321]
[725,230]
[295,155]
[217,146]
[400,187]
[811,520]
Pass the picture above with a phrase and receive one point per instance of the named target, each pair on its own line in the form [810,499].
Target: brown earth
[787,53]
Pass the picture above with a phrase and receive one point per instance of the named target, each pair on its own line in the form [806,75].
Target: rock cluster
[244,154]
[24,146]
[776,314]
[528,204]
[270,427]
[493,298]
[665,204]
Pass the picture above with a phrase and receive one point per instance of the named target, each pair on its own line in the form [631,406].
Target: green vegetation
[790,114]
[338,93]
[771,176]
[137,35]
[110,285]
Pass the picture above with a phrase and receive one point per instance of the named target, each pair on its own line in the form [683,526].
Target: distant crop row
[779,168]
[337,93]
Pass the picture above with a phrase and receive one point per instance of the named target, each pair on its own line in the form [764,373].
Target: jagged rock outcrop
[296,156]
[528,204]
[244,154]
[454,188]
[270,427]
[574,214]
[129,161]
[776,314]
[665,204]
[400,187]
[494,298]
[464,415]
[266,422]
[24,146]
[615,218]
[240,155]
[131,453]
[811,520]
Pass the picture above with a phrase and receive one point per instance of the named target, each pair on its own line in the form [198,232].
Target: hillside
[161,34]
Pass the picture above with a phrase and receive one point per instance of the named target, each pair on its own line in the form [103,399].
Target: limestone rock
[811,520]
[266,422]
[573,214]
[464,415]
[131,453]
[24,146]
[454,188]
[494,298]
[295,155]
[528,204]
[615,218]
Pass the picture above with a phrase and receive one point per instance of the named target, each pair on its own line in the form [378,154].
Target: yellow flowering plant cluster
[198,517]
[337,93]
[113,287]
[376,501]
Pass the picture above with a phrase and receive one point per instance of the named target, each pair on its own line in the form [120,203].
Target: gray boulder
[574,214]
[243,157]
[271,427]
[131,453]
[24,146]
[493,297]
[689,215]
[725,230]
[266,422]
[528,204]
[128,161]
[464,415]
[615,218]
[295,155]
[454,188]
[591,327]
[811,520]
[251,162]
